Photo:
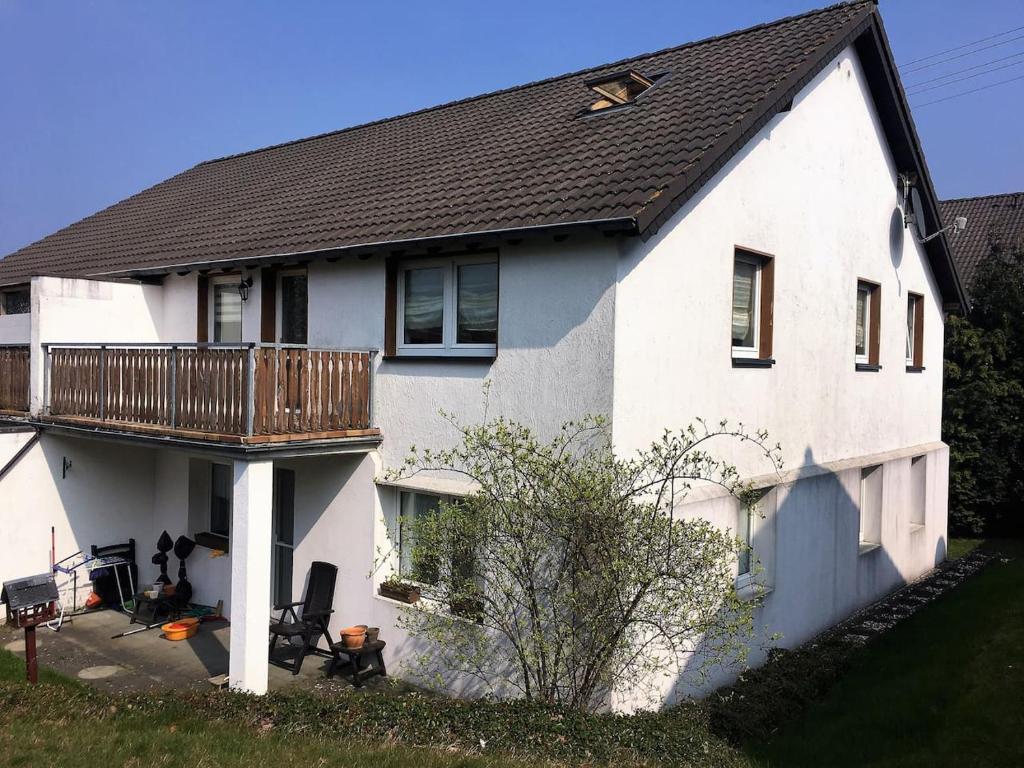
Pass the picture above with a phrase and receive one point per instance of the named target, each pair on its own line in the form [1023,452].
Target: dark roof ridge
[542,81]
[981,197]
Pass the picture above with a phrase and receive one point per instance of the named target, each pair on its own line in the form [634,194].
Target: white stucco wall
[817,189]
[806,546]
[555,332]
[67,310]
[105,498]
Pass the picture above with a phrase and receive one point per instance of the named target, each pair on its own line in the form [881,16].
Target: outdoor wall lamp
[244,284]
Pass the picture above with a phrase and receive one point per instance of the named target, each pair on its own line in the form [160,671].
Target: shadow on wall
[815,567]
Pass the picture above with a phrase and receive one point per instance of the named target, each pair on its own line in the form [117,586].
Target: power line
[961,47]
[965,69]
[963,55]
[967,93]
[968,77]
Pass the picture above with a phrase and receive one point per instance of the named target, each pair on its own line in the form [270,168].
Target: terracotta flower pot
[353,637]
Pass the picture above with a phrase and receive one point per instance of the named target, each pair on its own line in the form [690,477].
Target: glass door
[283,535]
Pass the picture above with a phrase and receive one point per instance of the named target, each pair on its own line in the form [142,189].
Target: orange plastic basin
[181,630]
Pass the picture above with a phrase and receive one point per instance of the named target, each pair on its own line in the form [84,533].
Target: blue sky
[100,99]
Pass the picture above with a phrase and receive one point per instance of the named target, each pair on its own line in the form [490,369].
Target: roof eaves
[906,140]
[626,225]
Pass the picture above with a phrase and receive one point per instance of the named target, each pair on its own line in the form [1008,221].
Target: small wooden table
[370,653]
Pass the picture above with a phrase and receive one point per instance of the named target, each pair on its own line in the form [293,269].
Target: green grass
[944,688]
[960,547]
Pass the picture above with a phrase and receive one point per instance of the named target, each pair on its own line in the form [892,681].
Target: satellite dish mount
[913,210]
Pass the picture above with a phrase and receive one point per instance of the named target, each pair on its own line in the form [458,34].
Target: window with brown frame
[868,326]
[915,332]
[753,299]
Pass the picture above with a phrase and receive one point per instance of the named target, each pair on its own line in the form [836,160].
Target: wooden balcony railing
[14,379]
[249,392]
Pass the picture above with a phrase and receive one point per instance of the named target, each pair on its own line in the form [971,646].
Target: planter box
[404,594]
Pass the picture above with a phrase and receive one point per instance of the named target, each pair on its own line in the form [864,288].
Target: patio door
[283,536]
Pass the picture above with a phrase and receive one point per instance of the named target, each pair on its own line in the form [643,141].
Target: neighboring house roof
[993,220]
[519,159]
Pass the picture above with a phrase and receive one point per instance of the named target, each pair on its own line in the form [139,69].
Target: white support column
[250,574]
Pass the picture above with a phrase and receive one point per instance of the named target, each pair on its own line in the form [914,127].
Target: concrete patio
[84,649]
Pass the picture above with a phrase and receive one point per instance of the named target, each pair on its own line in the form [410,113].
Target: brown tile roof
[991,220]
[513,159]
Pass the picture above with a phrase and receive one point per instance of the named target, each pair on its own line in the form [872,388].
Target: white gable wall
[817,189]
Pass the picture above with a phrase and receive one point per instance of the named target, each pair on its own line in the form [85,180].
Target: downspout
[21,452]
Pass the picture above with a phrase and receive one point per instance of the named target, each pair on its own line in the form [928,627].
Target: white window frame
[449,328]
[442,498]
[866,473]
[758,264]
[744,577]
[279,303]
[211,330]
[863,359]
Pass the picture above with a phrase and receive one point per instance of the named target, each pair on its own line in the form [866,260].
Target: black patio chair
[303,631]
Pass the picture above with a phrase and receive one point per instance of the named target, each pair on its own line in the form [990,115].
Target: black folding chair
[303,630]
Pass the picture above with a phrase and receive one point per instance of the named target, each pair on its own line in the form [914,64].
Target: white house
[713,230]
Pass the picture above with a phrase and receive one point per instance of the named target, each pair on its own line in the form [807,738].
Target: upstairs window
[915,331]
[293,301]
[866,337]
[752,306]
[618,89]
[448,307]
[227,311]
[15,301]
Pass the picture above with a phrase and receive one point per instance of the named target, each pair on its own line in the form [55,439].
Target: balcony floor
[157,430]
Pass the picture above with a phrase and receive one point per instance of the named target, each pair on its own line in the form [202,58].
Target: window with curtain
[745,305]
[863,323]
[449,307]
[227,313]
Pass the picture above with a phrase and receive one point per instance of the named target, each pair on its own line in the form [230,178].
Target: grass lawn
[58,735]
[944,688]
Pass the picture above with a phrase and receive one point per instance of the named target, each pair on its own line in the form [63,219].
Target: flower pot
[353,637]
[372,633]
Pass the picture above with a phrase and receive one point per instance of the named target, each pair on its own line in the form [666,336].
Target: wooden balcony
[14,380]
[228,393]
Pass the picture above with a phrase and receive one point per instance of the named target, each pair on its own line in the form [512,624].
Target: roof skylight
[620,88]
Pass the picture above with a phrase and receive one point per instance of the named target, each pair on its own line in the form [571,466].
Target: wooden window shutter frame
[767,299]
[918,330]
[875,321]
[390,307]
[202,309]
[268,305]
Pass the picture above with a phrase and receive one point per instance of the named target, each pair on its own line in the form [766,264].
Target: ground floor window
[414,508]
[870,507]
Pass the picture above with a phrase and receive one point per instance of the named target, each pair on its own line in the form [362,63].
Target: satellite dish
[917,213]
